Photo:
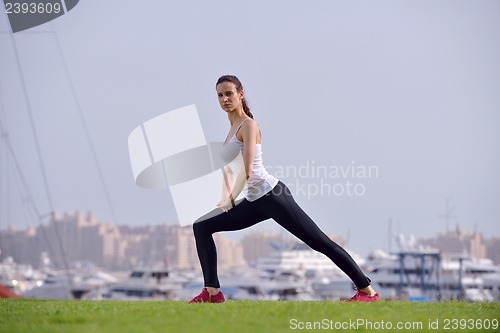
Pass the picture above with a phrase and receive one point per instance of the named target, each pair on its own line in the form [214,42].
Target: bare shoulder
[249,128]
[250,124]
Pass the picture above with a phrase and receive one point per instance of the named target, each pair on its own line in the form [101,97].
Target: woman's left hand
[225,205]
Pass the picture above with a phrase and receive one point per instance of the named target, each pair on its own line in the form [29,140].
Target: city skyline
[70,238]
[335,85]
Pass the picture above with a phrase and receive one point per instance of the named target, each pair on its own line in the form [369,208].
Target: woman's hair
[239,87]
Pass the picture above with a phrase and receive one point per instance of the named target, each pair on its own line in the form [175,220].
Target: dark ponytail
[239,87]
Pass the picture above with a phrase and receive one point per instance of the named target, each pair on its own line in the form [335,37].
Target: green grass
[24,315]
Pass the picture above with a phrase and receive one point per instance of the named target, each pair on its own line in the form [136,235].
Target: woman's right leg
[240,217]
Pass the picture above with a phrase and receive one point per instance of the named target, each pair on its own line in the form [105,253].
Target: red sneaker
[205,297]
[363,297]
[219,298]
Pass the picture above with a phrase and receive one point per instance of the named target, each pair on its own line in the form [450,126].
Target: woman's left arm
[249,132]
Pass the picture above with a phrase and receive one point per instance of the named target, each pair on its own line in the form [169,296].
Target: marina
[288,273]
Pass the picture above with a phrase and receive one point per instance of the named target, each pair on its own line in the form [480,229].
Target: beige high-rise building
[229,252]
[258,244]
[493,249]
[181,247]
[175,247]
[73,237]
[65,238]
[13,244]
[458,242]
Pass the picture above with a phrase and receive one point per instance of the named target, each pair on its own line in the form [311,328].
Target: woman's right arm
[227,182]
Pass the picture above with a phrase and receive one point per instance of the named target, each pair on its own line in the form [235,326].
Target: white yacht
[424,275]
[313,273]
[146,284]
[299,259]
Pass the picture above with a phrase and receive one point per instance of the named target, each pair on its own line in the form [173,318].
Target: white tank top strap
[235,132]
[239,126]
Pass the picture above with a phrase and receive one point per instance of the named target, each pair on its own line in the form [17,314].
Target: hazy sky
[409,88]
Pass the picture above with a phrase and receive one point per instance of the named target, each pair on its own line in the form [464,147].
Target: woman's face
[229,97]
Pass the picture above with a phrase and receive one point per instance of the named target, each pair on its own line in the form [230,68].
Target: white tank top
[260,181]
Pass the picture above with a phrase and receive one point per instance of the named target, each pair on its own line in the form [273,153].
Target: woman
[266,197]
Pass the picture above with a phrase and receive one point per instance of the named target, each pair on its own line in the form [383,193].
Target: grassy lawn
[23,315]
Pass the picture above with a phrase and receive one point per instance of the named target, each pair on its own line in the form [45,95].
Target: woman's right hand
[225,204]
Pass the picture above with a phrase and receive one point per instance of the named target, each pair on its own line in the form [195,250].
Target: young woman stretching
[266,197]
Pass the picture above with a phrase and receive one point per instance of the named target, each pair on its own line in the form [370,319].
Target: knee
[316,246]
[196,228]
[321,244]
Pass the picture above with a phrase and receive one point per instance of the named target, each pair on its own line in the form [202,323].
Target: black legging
[279,205]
